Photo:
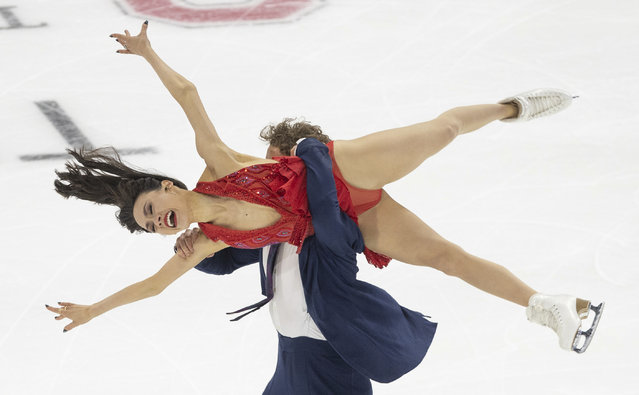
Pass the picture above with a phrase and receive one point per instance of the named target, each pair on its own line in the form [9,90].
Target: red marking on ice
[264,10]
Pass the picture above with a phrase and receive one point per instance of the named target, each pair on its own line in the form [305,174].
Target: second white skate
[564,314]
[538,103]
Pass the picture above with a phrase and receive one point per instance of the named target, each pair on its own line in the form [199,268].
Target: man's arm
[225,261]
[228,260]
[333,228]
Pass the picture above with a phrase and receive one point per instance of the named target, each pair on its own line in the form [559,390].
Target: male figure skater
[335,333]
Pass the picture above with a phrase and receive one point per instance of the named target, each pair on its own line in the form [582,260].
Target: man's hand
[184,243]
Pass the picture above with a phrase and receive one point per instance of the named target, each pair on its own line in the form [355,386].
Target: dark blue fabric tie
[270,264]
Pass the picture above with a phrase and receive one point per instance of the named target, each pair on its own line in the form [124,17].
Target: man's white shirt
[288,306]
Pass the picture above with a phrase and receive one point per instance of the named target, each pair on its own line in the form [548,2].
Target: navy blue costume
[365,328]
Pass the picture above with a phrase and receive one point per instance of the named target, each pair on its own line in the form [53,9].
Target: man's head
[283,136]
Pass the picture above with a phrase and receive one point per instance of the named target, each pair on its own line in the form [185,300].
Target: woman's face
[162,210]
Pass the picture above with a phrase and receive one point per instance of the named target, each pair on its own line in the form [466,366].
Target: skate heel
[583,308]
[586,336]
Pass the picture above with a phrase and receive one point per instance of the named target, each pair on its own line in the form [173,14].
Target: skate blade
[587,335]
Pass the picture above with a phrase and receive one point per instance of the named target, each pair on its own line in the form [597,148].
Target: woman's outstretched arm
[154,285]
[220,158]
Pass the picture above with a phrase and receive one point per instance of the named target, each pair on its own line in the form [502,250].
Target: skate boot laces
[538,103]
[557,312]
[546,317]
[563,314]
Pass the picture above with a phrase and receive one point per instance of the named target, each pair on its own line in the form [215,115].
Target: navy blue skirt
[308,366]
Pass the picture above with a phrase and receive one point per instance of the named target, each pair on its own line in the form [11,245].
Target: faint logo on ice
[71,133]
[196,13]
[12,21]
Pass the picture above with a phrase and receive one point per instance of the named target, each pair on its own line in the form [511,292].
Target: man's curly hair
[285,134]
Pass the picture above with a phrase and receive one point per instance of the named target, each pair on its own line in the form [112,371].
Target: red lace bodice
[282,186]
[276,185]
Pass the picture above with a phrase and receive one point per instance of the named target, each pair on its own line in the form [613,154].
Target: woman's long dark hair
[101,177]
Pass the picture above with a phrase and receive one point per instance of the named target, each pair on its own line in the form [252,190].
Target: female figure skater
[259,202]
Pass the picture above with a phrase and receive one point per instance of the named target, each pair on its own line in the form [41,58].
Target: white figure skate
[538,103]
[563,313]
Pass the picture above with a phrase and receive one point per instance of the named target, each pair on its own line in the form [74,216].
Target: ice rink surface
[555,200]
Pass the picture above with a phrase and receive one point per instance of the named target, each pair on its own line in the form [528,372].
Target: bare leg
[393,230]
[372,161]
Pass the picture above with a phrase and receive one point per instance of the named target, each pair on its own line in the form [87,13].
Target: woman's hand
[78,314]
[135,45]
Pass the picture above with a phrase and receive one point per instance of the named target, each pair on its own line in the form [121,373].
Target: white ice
[555,200]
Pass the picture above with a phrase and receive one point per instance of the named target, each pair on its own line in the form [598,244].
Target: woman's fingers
[57,310]
[70,326]
[127,34]
[133,45]
[52,309]
[121,40]
[78,314]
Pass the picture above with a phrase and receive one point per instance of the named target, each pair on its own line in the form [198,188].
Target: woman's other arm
[220,158]
[154,285]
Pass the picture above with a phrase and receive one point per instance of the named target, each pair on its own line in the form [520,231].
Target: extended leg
[393,230]
[375,160]
[372,161]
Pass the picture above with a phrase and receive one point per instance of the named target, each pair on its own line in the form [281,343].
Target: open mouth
[170,219]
